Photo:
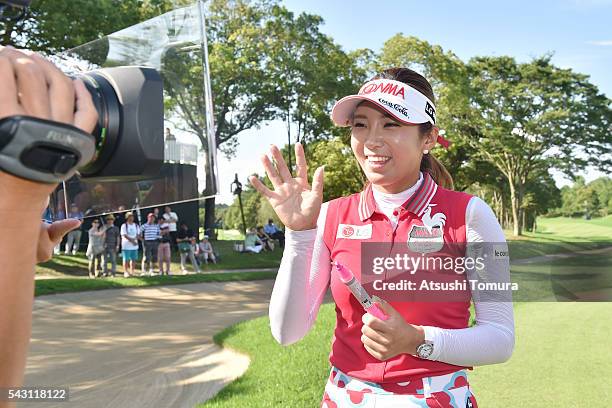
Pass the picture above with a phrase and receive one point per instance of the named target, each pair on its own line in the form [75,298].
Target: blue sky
[578,32]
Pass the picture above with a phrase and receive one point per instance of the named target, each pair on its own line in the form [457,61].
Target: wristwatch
[425,349]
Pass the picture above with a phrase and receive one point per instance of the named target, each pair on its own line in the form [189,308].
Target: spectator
[194,248]
[205,251]
[137,215]
[251,242]
[95,248]
[73,241]
[169,135]
[120,216]
[156,214]
[164,253]
[129,245]
[172,220]
[275,233]
[184,238]
[150,236]
[111,245]
[268,243]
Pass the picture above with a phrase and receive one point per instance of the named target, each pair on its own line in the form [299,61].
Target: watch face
[425,350]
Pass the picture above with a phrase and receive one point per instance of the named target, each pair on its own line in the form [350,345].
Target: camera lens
[129,134]
[107,129]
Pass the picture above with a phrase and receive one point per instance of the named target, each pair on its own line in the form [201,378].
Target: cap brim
[343,110]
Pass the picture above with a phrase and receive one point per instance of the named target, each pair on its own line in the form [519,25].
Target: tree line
[509,122]
[582,199]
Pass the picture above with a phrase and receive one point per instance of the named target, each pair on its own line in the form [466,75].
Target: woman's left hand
[385,339]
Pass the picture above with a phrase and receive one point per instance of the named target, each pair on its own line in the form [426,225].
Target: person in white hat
[421,353]
[130,233]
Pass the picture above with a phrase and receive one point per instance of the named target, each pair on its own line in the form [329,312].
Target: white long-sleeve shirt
[304,276]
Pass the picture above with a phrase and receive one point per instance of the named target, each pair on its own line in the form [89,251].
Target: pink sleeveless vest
[354,220]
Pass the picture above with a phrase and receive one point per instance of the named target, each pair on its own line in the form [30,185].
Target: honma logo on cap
[392,88]
[400,101]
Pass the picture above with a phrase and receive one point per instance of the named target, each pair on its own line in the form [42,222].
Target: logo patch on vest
[348,231]
[428,237]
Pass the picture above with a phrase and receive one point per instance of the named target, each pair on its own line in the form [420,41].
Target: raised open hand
[294,201]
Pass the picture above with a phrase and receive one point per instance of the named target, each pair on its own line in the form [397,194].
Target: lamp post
[238,191]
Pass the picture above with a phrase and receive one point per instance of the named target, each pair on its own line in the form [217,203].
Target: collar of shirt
[424,190]
[386,202]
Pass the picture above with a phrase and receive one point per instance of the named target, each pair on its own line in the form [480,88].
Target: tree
[602,188]
[519,118]
[542,196]
[448,77]
[343,175]
[582,198]
[56,25]
[254,73]
[533,116]
[244,91]
[257,211]
[311,74]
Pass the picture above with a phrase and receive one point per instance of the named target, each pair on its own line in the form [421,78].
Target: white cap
[399,100]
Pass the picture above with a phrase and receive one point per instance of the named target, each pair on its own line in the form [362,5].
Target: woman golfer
[419,355]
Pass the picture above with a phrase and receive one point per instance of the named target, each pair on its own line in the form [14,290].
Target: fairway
[578,229]
[562,355]
[561,359]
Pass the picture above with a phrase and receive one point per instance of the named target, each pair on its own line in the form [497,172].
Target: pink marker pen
[347,277]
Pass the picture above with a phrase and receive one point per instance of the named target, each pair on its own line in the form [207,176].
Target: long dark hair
[417,81]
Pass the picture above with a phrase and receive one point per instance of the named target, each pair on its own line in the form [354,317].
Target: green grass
[561,234]
[230,235]
[561,358]
[68,265]
[69,273]
[562,278]
[278,376]
[597,228]
[63,285]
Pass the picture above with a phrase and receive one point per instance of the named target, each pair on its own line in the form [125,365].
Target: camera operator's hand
[51,235]
[33,86]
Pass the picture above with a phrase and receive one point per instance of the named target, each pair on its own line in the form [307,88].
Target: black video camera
[127,143]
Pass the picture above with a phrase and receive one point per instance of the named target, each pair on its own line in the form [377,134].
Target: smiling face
[388,152]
